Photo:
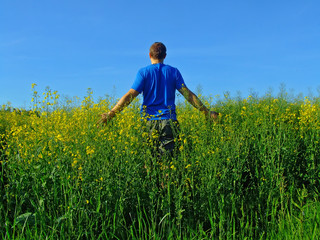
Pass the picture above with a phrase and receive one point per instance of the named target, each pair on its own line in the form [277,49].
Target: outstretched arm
[121,104]
[196,102]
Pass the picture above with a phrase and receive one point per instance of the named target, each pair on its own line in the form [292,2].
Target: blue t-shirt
[158,83]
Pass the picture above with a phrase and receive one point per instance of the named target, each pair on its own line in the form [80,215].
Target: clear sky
[223,46]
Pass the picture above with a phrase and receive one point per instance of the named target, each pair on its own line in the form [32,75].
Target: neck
[156,61]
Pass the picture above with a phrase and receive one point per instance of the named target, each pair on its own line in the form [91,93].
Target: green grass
[254,175]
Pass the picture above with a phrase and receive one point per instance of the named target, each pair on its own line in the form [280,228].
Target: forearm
[196,102]
[122,103]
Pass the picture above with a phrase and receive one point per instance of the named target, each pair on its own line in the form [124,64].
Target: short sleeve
[179,80]
[138,83]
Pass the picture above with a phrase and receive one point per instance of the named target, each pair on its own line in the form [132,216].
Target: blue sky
[222,46]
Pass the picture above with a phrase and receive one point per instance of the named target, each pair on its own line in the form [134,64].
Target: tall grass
[252,175]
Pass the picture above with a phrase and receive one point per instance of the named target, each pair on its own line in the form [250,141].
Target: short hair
[158,50]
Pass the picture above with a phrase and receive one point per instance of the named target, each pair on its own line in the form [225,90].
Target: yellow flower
[89,150]
[189,165]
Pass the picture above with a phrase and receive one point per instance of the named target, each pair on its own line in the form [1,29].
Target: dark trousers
[163,136]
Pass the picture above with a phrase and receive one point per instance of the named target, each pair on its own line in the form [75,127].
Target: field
[254,174]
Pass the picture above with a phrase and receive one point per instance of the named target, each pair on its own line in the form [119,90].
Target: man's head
[158,51]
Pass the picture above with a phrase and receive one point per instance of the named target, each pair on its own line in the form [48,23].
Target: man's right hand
[105,118]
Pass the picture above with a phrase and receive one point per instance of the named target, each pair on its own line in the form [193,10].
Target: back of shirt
[158,83]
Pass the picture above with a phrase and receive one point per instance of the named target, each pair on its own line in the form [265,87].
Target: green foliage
[252,175]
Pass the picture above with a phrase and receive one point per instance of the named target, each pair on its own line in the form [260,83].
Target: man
[158,82]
